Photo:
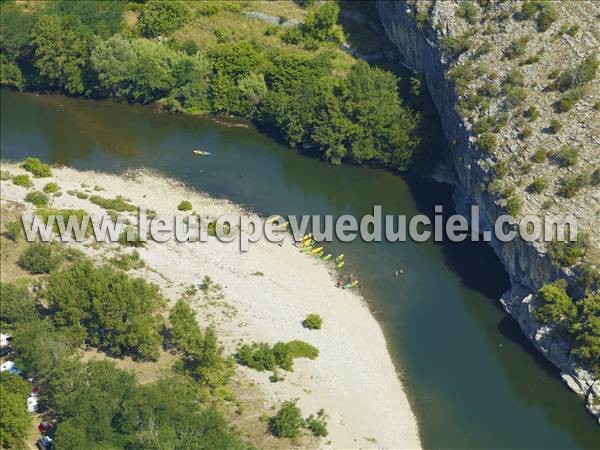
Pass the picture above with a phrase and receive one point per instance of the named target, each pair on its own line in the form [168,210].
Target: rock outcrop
[528,265]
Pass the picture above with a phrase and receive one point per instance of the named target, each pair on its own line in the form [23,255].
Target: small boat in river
[201,152]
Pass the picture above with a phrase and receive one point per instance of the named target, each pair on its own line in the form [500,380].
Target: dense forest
[86,49]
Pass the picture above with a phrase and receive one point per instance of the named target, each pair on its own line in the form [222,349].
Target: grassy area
[230,24]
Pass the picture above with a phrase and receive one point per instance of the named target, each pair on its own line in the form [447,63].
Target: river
[473,380]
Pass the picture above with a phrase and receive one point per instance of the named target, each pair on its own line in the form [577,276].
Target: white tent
[9,366]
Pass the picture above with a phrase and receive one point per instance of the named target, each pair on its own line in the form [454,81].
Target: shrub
[51,188]
[516,48]
[159,18]
[583,73]
[526,132]
[539,155]
[37,168]
[301,349]
[516,96]
[539,184]
[37,198]
[40,258]
[487,142]
[468,11]
[500,169]
[207,9]
[595,177]
[454,47]
[548,15]
[532,113]
[185,206]
[116,204]
[515,78]
[79,214]
[568,253]
[555,126]
[22,180]
[528,9]
[571,184]
[135,240]
[292,35]
[312,322]
[564,104]
[13,230]
[288,420]
[258,356]
[596,106]
[127,262]
[567,156]
[514,206]
[317,425]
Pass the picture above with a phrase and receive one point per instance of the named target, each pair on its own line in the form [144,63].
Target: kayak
[306,243]
[340,265]
[319,255]
[307,249]
[201,153]
[316,250]
[340,257]
[327,257]
[350,285]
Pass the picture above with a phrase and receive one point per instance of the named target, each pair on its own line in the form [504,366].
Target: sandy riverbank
[272,288]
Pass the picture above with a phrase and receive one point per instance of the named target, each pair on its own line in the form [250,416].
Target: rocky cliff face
[527,264]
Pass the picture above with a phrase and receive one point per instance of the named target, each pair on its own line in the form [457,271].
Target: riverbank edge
[397,413]
[528,267]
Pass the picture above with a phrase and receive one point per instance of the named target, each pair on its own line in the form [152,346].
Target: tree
[186,334]
[160,17]
[321,23]
[235,61]
[40,349]
[61,52]
[587,331]
[107,308]
[556,306]
[151,77]
[288,420]
[385,130]
[16,305]
[15,421]
[113,60]
[209,364]
[97,411]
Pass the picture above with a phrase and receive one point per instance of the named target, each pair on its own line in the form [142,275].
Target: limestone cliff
[419,29]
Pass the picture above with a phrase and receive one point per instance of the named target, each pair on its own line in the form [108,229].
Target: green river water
[473,380]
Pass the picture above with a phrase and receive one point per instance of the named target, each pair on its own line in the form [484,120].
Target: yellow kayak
[340,257]
[306,243]
[325,258]
[340,265]
[316,250]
